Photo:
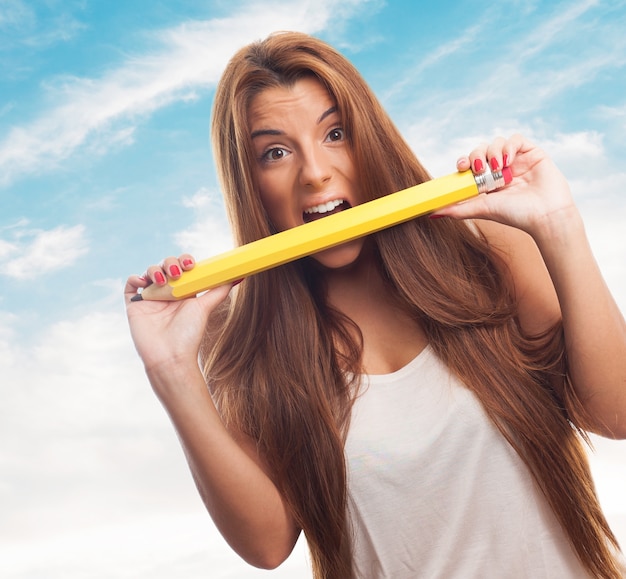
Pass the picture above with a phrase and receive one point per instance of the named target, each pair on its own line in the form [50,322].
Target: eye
[273,154]
[336,135]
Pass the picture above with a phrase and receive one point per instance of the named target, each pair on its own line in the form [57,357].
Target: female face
[303,164]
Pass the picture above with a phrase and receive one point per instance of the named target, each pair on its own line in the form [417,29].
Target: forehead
[307,97]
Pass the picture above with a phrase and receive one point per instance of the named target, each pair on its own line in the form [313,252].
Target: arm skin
[231,477]
[554,274]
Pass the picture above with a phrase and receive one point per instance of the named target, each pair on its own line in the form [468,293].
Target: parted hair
[279,363]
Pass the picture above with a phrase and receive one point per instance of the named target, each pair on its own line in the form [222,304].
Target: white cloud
[434,58]
[160,546]
[530,68]
[94,480]
[6,108]
[39,27]
[187,58]
[76,412]
[7,248]
[209,233]
[32,253]
[542,36]
[8,349]
[14,14]
[616,115]
[608,464]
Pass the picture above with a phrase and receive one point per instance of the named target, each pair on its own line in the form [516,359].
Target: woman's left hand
[537,195]
[538,201]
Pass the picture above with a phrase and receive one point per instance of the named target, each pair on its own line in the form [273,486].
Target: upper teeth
[324,207]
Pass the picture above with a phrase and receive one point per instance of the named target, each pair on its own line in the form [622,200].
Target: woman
[414,400]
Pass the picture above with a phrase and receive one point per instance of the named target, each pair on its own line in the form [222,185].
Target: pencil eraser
[507,175]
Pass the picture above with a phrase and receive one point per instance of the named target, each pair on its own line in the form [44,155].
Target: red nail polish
[187,262]
[159,277]
[174,270]
[494,164]
[435,216]
[478,166]
[505,160]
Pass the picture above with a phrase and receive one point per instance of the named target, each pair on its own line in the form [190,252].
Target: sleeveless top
[435,491]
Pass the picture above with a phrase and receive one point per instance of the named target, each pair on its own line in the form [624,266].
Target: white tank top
[435,491]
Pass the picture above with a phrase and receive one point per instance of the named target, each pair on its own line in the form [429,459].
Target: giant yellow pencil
[323,233]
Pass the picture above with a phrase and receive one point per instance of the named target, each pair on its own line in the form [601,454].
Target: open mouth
[325,209]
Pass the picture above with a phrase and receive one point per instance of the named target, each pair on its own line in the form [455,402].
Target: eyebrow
[327,113]
[276,132]
[262,132]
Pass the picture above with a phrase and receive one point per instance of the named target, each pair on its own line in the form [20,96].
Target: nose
[315,168]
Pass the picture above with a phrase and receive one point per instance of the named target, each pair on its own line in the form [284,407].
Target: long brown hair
[275,368]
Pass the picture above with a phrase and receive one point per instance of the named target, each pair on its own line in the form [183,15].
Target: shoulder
[525,272]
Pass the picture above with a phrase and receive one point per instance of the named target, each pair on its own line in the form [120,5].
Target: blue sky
[105,167]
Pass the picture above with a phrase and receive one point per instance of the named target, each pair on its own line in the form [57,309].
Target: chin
[341,256]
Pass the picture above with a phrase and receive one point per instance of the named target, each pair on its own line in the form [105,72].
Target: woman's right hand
[231,475]
[169,333]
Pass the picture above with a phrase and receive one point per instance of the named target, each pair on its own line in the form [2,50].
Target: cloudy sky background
[105,167]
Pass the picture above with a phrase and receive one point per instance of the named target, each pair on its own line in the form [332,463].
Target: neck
[391,337]
[359,281]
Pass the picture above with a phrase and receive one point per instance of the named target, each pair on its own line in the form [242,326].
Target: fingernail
[478,166]
[505,160]
[237,282]
[159,277]
[435,216]
[174,270]
[187,262]
[494,164]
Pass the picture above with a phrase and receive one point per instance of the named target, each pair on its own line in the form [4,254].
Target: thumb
[214,297]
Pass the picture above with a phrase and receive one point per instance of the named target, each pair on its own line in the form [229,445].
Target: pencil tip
[136,298]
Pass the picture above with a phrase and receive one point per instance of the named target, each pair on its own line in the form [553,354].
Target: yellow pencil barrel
[327,232]
[322,234]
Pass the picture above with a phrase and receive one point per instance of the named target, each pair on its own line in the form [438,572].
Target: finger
[478,159]
[169,267]
[212,298]
[187,261]
[495,154]
[475,208]
[172,267]
[133,284]
[463,164]
[514,146]
[156,274]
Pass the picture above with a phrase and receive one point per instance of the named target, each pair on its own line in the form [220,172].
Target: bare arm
[231,477]
[555,274]
[595,332]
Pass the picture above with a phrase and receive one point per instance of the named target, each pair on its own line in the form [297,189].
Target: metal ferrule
[489,181]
